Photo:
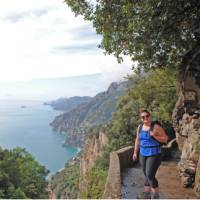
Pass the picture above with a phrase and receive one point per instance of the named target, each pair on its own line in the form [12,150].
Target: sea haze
[53,88]
[26,124]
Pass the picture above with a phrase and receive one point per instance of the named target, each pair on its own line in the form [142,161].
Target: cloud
[85,32]
[77,49]
[18,16]
[43,39]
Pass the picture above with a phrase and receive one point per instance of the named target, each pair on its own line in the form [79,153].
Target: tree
[155,33]
[21,176]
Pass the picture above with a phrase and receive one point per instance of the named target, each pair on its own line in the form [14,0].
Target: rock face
[186,120]
[87,115]
[92,150]
[187,172]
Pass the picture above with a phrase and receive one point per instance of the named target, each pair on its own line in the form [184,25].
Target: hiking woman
[148,146]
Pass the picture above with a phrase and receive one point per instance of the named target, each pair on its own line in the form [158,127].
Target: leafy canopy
[21,176]
[155,33]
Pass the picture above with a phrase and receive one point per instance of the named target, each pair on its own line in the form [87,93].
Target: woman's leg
[152,165]
[147,188]
[142,160]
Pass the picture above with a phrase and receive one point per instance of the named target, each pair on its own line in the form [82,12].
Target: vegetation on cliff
[21,176]
[65,183]
[95,179]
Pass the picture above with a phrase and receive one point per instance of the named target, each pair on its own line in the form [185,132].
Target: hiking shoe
[144,195]
[155,196]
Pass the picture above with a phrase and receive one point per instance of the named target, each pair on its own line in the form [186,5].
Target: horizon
[51,44]
[50,89]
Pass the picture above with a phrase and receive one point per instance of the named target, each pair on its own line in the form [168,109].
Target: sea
[26,124]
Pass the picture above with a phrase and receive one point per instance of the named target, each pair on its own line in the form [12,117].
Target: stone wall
[118,161]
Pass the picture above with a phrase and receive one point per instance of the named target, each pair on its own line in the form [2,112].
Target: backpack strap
[140,127]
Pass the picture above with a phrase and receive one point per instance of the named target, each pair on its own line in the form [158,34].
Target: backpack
[168,130]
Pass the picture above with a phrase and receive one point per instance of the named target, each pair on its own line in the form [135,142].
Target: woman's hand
[135,157]
[159,134]
[153,133]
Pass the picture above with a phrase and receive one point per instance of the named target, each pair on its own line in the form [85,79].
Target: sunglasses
[145,116]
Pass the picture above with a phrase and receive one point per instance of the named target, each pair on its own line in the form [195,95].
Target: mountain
[87,115]
[67,104]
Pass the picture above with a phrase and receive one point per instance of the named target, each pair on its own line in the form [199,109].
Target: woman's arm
[137,145]
[159,134]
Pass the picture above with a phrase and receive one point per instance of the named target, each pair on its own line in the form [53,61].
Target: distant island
[23,106]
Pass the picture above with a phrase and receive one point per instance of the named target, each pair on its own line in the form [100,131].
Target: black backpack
[168,129]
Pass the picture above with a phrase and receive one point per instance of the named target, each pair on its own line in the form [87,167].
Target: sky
[42,39]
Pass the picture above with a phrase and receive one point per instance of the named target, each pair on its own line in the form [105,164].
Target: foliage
[91,132]
[155,91]
[21,176]
[95,182]
[155,33]
[65,182]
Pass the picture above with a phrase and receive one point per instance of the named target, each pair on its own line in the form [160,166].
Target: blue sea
[26,124]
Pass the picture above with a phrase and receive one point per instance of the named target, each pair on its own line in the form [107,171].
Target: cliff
[71,181]
[92,150]
[87,115]
[186,121]
[64,184]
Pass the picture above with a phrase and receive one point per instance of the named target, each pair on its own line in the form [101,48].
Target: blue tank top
[148,146]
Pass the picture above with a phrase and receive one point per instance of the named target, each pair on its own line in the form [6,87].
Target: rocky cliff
[97,111]
[186,121]
[92,150]
[70,181]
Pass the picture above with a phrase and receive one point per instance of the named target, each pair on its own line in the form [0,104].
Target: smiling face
[145,117]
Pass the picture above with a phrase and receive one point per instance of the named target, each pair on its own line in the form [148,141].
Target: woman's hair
[144,110]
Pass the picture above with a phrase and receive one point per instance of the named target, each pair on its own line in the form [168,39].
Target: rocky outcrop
[186,119]
[92,150]
[87,115]
[187,172]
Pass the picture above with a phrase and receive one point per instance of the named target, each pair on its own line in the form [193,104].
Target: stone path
[168,178]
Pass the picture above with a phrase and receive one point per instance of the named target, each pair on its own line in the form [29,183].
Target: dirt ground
[168,178]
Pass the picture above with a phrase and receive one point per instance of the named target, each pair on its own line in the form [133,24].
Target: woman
[147,144]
